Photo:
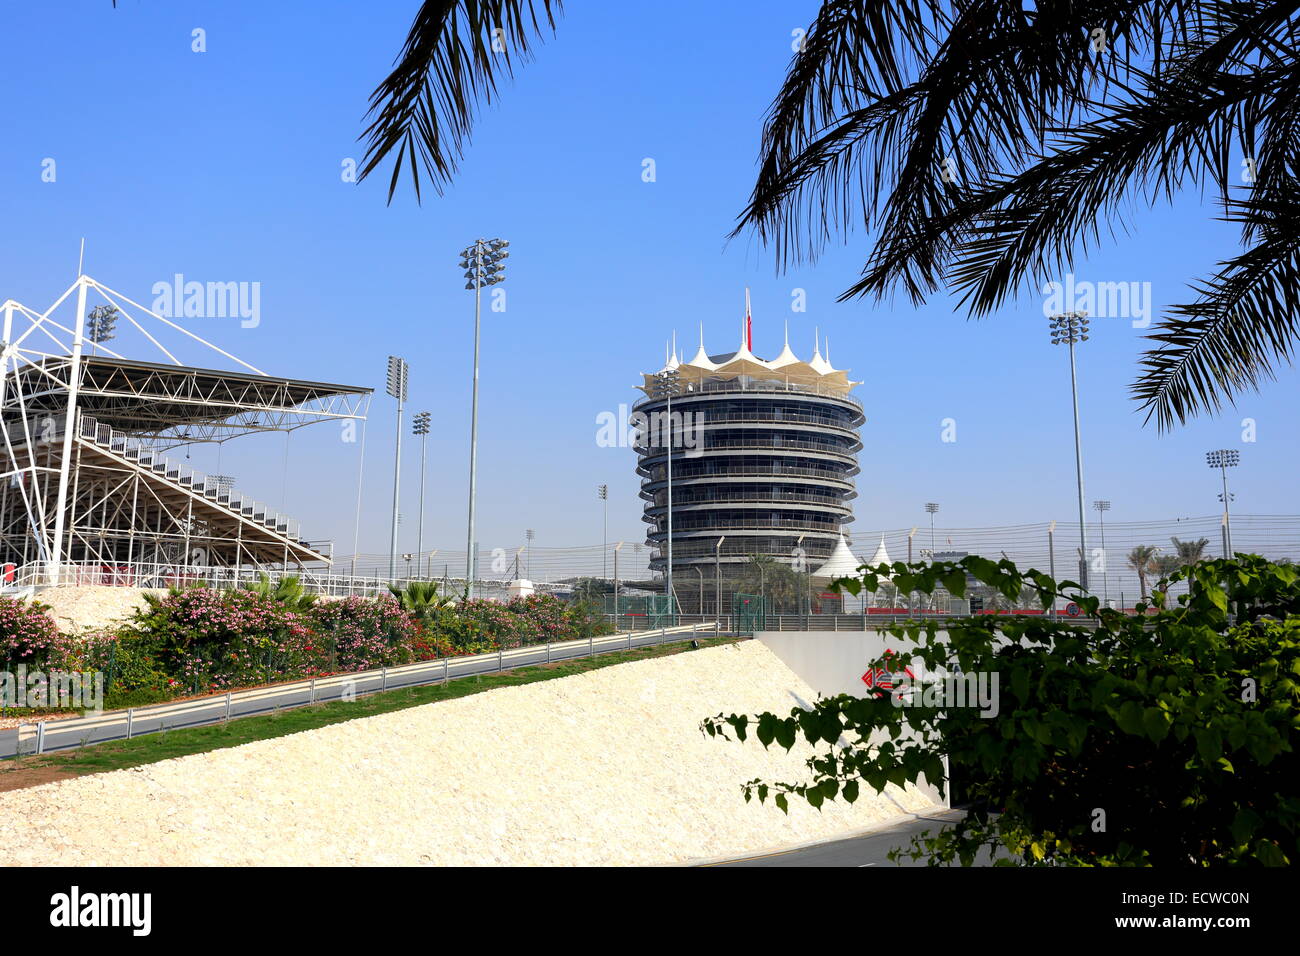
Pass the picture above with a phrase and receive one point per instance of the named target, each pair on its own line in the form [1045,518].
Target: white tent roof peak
[842,563]
[881,556]
[702,359]
[817,363]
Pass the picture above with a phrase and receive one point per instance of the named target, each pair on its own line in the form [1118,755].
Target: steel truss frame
[82,474]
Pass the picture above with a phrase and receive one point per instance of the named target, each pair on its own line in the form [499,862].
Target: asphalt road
[869,849]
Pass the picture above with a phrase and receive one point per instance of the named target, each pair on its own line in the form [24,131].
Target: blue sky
[226,166]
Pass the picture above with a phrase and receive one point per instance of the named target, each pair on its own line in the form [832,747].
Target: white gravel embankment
[607,767]
[77,608]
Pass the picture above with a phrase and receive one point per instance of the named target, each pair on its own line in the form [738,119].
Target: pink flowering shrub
[360,634]
[28,636]
[133,673]
[206,639]
[537,619]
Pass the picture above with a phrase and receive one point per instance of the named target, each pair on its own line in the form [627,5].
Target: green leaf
[1156,723]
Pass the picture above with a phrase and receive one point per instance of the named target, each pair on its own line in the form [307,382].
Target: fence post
[548,652]
[227,705]
[40,738]
[312,699]
[130,720]
[383,678]
[445,662]
[663,635]
[591,646]
[500,660]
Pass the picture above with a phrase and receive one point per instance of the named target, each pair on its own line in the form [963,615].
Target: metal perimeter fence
[1275,537]
[1042,545]
[47,736]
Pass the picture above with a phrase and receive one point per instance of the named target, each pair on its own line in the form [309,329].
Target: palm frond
[1243,324]
[455,55]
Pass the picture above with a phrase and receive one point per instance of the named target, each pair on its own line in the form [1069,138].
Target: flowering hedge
[536,619]
[214,640]
[199,640]
[360,634]
[28,636]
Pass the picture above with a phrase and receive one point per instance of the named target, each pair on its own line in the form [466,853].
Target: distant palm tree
[1142,560]
[982,143]
[1189,552]
[1166,564]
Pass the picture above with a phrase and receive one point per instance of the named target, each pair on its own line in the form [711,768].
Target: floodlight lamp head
[397,377]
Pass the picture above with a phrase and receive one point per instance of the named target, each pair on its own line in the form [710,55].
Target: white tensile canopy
[842,563]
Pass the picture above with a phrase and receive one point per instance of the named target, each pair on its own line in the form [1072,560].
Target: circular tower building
[764,455]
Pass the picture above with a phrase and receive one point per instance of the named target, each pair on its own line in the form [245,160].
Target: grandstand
[89,493]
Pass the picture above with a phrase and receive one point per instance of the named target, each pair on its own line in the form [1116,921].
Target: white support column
[69,425]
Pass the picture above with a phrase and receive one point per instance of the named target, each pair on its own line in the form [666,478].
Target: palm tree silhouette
[1189,552]
[981,144]
[1142,560]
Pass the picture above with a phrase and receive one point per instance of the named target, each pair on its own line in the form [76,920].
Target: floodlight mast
[1067,329]
[420,427]
[397,378]
[1101,507]
[1223,459]
[483,265]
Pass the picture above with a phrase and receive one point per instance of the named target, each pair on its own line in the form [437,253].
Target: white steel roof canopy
[84,428]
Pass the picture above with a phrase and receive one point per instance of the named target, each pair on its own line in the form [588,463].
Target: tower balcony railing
[765,443]
[761,416]
[683,499]
[139,451]
[658,475]
[756,523]
[744,385]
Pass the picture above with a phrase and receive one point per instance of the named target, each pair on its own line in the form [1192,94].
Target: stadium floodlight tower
[1067,329]
[1223,459]
[931,508]
[420,428]
[89,494]
[602,492]
[398,373]
[1102,506]
[484,265]
[101,324]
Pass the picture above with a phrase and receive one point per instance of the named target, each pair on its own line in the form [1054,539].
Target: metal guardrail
[48,736]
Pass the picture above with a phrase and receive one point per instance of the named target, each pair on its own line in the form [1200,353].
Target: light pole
[1102,507]
[668,384]
[398,372]
[931,507]
[717,574]
[483,265]
[602,492]
[1223,459]
[1069,328]
[617,548]
[420,428]
[529,534]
